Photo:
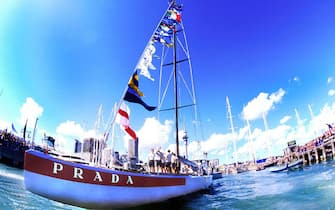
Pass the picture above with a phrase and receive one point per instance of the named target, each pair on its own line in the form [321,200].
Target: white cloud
[4,125]
[318,123]
[330,80]
[153,134]
[217,142]
[30,110]
[265,143]
[261,105]
[70,128]
[285,119]
[331,92]
[68,131]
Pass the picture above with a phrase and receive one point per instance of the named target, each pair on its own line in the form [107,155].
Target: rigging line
[195,122]
[196,112]
[182,47]
[180,61]
[187,52]
[185,83]
[167,86]
[179,107]
[113,128]
[161,75]
[109,119]
[160,82]
[126,88]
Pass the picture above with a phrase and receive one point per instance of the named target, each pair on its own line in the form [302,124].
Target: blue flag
[134,94]
[133,97]
[13,128]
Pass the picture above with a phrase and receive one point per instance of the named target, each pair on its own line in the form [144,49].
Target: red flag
[131,132]
[178,18]
[124,121]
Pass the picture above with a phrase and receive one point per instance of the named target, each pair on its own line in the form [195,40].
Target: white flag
[145,62]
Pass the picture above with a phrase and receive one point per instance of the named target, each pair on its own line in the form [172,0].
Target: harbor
[315,151]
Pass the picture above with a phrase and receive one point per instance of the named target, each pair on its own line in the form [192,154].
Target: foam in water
[7,174]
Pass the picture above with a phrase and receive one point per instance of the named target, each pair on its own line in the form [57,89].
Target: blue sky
[60,60]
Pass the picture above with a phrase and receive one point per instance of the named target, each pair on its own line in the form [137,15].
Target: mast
[252,153]
[97,143]
[34,132]
[232,127]
[266,128]
[175,87]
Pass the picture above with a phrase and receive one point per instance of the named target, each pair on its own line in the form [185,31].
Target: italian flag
[174,15]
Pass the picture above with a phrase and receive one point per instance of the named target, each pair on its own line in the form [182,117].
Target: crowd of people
[12,148]
[315,142]
[8,139]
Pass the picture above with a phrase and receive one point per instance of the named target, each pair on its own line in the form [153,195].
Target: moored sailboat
[94,186]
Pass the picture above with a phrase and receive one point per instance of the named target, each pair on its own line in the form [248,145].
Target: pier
[317,150]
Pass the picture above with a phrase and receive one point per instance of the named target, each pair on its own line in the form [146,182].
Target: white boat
[80,184]
[93,187]
[288,166]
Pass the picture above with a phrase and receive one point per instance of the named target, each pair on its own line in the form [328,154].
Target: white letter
[115,178]
[97,176]
[57,167]
[78,173]
[130,181]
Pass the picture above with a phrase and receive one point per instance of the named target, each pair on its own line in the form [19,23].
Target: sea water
[312,187]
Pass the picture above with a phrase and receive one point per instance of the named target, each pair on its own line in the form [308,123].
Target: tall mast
[232,127]
[34,132]
[175,87]
[252,153]
[97,143]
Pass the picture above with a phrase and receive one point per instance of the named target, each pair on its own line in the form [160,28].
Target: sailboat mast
[232,128]
[175,87]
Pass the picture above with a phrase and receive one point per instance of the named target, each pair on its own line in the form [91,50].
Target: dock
[318,150]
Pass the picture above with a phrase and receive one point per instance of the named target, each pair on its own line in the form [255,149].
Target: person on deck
[151,159]
[174,160]
[158,161]
[162,160]
[168,162]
